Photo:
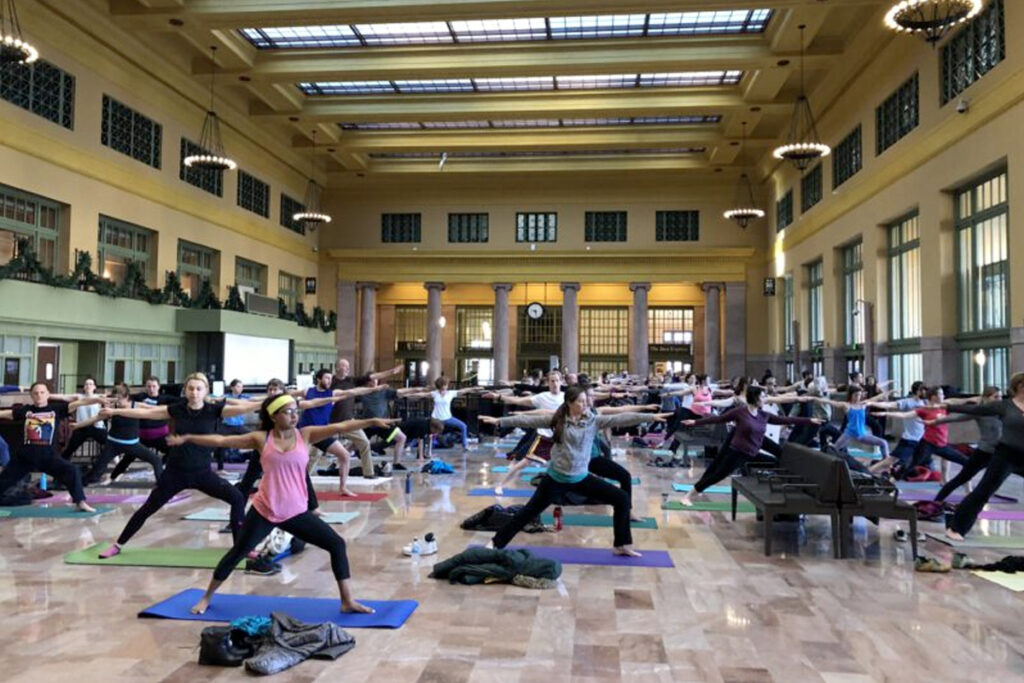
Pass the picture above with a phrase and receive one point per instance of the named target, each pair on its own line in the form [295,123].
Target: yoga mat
[526,470]
[711,489]
[232,466]
[352,481]
[229,606]
[931,488]
[126,484]
[1004,515]
[186,558]
[869,455]
[598,556]
[114,498]
[707,506]
[596,520]
[927,494]
[529,477]
[358,498]
[1014,582]
[663,453]
[221,515]
[60,512]
[977,541]
[507,493]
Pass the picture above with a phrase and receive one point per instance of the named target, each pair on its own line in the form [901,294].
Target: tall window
[853,292]
[981,367]
[604,339]
[122,243]
[410,328]
[904,370]
[810,188]
[468,227]
[982,267]
[253,194]
[904,279]
[195,264]
[290,207]
[670,326]
[896,116]
[24,215]
[677,226]
[847,158]
[815,300]
[784,211]
[400,227]
[788,312]
[536,227]
[130,133]
[250,274]
[208,180]
[475,343]
[289,288]
[41,88]
[604,226]
[973,52]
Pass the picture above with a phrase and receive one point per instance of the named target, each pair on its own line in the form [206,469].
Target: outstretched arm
[6,414]
[252,440]
[240,408]
[384,374]
[86,401]
[147,413]
[618,410]
[319,433]
[628,419]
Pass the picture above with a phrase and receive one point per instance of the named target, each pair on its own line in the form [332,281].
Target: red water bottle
[558,518]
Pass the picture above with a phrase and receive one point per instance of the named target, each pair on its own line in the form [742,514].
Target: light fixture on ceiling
[803,144]
[13,47]
[744,208]
[930,19]
[444,158]
[312,216]
[211,156]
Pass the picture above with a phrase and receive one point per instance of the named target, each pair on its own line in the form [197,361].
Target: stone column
[500,331]
[347,320]
[735,329]
[570,326]
[1016,350]
[367,327]
[712,329]
[434,290]
[638,359]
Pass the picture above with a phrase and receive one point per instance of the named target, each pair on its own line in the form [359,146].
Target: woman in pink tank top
[282,498]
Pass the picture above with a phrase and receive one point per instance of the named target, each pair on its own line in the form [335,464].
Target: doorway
[48,365]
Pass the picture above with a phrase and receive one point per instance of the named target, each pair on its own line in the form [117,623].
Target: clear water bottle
[416,548]
[42,481]
[408,482]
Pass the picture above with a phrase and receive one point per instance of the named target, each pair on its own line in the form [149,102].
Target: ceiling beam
[529,165]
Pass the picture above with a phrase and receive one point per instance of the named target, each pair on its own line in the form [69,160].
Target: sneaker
[428,546]
[900,536]
[930,564]
[261,566]
[961,561]
[398,467]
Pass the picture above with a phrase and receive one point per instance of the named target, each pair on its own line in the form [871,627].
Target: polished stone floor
[725,613]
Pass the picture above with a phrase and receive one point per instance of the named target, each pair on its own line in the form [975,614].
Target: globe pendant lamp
[312,216]
[803,145]
[212,156]
[744,209]
[930,19]
[13,47]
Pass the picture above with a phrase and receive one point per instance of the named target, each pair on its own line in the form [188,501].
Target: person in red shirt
[936,435]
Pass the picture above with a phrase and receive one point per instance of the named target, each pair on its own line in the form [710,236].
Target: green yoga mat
[635,481]
[707,506]
[186,558]
[597,520]
[56,512]
[221,515]
[1006,542]
[711,489]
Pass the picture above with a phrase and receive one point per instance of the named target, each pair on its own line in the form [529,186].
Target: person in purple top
[750,422]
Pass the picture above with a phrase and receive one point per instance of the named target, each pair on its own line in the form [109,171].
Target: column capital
[367,285]
[439,286]
[636,286]
[507,286]
[575,286]
[708,286]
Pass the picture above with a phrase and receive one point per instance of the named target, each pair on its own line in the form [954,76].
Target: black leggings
[977,461]
[46,460]
[254,470]
[171,483]
[80,436]
[158,444]
[609,469]
[724,464]
[925,450]
[130,450]
[306,527]
[1005,461]
[591,487]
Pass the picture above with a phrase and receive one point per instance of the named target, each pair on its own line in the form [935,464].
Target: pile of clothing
[488,565]
[494,517]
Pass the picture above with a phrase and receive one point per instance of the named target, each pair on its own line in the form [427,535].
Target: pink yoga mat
[112,498]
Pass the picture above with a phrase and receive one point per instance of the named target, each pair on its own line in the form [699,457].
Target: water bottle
[416,549]
[408,482]
[558,518]
[42,481]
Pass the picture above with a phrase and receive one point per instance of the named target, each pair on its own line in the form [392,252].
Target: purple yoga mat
[232,466]
[598,556]
[929,494]
[1003,515]
[112,498]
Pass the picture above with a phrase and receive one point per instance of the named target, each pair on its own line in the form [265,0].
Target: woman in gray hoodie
[575,427]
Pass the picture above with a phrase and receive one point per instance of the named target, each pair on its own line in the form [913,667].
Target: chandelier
[930,19]
[744,208]
[13,47]
[803,145]
[312,216]
[212,156]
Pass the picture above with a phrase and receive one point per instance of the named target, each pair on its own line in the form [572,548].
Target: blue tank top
[855,421]
[316,416]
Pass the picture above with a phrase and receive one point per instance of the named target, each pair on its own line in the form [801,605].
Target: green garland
[234,302]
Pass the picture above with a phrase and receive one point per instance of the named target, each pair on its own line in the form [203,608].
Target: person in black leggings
[122,438]
[990,430]
[281,500]
[188,465]
[1008,458]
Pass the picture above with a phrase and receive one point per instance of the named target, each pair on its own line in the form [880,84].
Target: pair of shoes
[263,566]
[930,564]
[427,547]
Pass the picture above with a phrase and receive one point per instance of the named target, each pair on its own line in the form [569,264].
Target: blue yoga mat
[599,556]
[710,489]
[508,493]
[229,606]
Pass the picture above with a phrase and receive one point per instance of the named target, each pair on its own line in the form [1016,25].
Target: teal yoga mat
[683,488]
[596,520]
[55,512]
[501,469]
[221,515]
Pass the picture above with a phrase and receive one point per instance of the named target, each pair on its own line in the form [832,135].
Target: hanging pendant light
[312,216]
[13,47]
[930,19]
[803,145]
[744,208]
[212,156]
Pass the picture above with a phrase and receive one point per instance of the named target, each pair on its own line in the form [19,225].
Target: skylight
[541,154]
[538,123]
[606,26]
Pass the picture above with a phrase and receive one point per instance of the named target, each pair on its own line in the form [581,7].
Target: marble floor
[725,613]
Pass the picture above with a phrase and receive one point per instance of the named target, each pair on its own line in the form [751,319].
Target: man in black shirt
[378,404]
[346,409]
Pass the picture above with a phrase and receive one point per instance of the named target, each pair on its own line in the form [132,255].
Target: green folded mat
[979,541]
[55,512]
[186,558]
[597,520]
[221,515]
[707,506]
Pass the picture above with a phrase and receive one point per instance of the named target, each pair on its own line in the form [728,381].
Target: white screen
[255,360]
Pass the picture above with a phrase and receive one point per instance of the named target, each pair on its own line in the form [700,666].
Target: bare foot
[636,518]
[626,551]
[85,507]
[347,492]
[687,500]
[489,545]
[356,608]
[950,534]
[499,490]
[200,607]
[317,512]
